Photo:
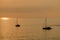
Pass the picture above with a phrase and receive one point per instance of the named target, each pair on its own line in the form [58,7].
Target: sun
[4,18]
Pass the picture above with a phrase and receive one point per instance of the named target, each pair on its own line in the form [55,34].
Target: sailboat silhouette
[45,26]
[17,24]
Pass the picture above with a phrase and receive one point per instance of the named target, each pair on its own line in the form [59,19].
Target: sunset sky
[50,8]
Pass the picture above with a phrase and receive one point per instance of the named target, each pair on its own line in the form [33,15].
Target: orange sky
[52,8]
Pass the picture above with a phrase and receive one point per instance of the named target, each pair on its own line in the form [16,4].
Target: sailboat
[17,24]
[45,26]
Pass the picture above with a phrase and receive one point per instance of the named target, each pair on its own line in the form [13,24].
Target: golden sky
[50,8]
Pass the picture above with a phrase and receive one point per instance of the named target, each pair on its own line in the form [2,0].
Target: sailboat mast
[45,21]
[16,20]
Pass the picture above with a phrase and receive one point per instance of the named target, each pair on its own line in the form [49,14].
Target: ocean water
[30,29]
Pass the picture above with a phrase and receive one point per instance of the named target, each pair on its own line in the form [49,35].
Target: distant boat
[45,26]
